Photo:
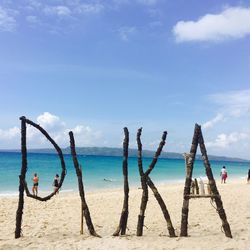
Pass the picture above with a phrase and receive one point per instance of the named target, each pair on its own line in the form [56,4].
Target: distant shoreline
[117,152]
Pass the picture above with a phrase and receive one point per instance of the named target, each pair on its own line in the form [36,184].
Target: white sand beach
[56,224]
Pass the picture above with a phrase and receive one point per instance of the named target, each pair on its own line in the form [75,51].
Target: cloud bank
[7,21]
[224,140]
[234,108]
[233,103]
[58,130]
[211,123]
[231,23]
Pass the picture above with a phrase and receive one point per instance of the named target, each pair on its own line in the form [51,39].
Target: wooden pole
[22,183]
[81,231]
[213,187]
[124,215]
[189,170]
[85,208]
[163,207]
[146,181]
[196,186]
[197,196]
[144,186]
[58,150]
[60,155]
[198,140]
[19,212]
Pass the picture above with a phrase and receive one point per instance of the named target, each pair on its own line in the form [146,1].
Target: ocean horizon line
[50,151]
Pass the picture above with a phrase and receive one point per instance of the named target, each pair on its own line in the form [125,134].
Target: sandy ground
[56,224]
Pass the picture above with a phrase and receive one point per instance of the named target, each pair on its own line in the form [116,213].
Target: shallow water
[97,168]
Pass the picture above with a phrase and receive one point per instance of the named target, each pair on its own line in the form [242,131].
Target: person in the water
[35,184]
[107,180]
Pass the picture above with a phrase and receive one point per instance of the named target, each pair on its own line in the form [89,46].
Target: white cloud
[49,121]
[60,11]
[85,136]
[61,16]
[7,21]
[9,134]
[72,8]
[223,140]
[126,32]
[154,143]
[212,122]
[230,138]
[79,129]
[89,8]
[34,4]
[32,134]
[57,129]
[233,103]
[231,23]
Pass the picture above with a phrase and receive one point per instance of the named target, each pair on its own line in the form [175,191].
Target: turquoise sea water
[97,168]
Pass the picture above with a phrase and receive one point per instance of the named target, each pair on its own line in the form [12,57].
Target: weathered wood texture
[198,140]
[213,187]
[145,182]
[81,187]
[124,214]
[144,198]
[19,212]
[163,207]
[197,196]
[196,186]
[60,155]
[189,171]
[22,183]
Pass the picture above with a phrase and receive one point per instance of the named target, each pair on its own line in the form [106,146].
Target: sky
[94,67]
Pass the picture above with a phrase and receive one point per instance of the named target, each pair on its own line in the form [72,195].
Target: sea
[101,172]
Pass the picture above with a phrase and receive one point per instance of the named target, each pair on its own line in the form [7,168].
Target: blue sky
[97,66]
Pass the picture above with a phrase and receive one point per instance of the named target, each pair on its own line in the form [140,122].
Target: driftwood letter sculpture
[84,206]
[22,183]
[198,140]
[124,215]
[145,182]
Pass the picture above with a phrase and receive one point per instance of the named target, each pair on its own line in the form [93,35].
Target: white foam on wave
[43,192]
[9,194]
[67,190]
[173,181]
[243,177]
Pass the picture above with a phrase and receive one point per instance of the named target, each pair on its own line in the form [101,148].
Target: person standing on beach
[248,177]
[223,174]
[35,184]
[56,183]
